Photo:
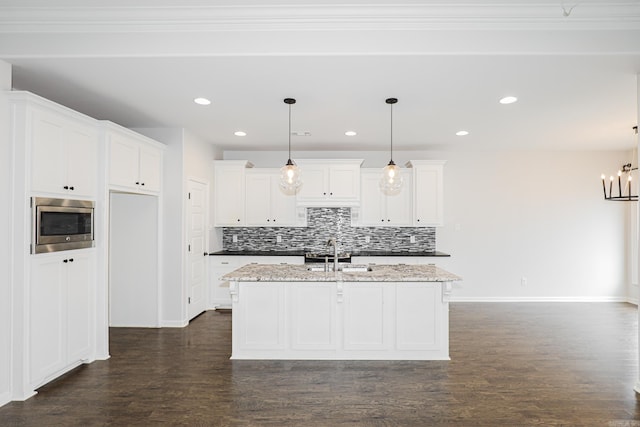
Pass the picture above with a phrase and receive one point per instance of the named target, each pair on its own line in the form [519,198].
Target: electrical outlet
[235,238]
[278,239]
[412,239]
[523,281]
[367,239]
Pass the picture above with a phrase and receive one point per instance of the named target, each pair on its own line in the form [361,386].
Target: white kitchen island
[394,312]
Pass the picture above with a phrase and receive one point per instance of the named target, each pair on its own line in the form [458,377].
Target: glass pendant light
[290,173]
[391,181]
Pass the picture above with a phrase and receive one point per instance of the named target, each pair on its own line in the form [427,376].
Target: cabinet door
[123,162]
[313,316]
[79,293]
[344,182]
[48,154]
[150,169]
[314,182]
[367,318]
[47,317]
[428,196]
[229,196]
[398,206]
[258,199]
[283,206]
[82,160]
[372,211]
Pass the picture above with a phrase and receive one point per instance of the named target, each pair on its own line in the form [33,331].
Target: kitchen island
[379,312]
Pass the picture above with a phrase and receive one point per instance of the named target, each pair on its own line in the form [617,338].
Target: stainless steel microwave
[61,224]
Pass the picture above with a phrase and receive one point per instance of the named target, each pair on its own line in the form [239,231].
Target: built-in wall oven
[61,224]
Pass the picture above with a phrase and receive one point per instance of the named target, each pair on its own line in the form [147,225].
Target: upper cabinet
[378,209]
[62,144]
[229,192]
[265,203]
[332,182]
[135,161]
[428,207]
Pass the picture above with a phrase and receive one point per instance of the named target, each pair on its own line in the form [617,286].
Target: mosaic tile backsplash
[324,223]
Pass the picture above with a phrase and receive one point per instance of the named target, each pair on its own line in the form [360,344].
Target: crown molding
[513,16]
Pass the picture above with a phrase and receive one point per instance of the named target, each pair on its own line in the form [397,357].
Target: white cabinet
[428,210]
[265,203]
[379,209]
[333,182]
[135,162]
[60,295]
[64,154]
[340,320]
[220,265]
[229,192]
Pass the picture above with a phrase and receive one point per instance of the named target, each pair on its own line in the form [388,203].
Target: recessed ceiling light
[202,101]
[350,133]
[462,133]
[508,100]
[240,133]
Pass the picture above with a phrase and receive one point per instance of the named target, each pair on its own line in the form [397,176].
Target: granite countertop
[301,252]
[299,273]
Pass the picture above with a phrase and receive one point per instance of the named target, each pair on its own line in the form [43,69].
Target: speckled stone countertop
[379,273]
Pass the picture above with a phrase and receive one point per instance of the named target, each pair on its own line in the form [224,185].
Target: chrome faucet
[334,242]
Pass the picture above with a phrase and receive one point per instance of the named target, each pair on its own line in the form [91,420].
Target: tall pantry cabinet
[56,156]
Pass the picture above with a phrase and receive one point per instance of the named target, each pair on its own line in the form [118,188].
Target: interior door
[197,243]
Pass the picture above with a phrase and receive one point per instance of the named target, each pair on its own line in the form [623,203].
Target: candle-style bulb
[602,176]
[619,173]
[611,177]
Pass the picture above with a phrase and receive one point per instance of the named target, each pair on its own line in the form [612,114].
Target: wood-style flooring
[512,364]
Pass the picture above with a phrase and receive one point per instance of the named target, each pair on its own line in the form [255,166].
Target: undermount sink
[345,268]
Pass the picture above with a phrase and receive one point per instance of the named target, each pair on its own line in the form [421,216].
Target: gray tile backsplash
[324,223]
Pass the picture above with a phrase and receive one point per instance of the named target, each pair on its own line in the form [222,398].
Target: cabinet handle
[142,183]
[324,194]
[70,259]
[238,219]
[71,188]
[65,260]
[268,220]
[206,254]
[66,187]
[382,220]
[137,182]
[331,194]
[418,220]
[388,220]
[274,220]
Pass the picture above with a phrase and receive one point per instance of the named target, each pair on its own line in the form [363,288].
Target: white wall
[5,236]
[186,157]
[509,215]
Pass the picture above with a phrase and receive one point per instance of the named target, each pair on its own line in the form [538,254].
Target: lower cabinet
[60,315]
[340,320]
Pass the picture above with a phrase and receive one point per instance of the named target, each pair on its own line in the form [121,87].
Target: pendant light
[391,181]
[290,173]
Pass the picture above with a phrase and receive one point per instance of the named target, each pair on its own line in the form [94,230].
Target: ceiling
[448,64]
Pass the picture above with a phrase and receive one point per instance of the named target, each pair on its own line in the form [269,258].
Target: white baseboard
[174,323]
[539,299]
[5,398]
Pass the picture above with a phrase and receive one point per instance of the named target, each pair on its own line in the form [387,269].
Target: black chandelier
[624,174]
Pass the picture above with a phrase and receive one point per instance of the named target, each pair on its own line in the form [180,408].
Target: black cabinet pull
[70,259]
[71,188]
[418,219]
[206,254]
[238,219]
[137,182]
[382,220]
[331,194]
[66,187]
[142,183]
[65,260]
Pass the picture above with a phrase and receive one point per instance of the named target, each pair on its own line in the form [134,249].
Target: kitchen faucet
[334,242]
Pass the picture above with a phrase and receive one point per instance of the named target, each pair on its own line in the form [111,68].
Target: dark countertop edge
[360,253]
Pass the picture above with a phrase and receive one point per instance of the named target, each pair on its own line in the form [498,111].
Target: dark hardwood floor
[525,364]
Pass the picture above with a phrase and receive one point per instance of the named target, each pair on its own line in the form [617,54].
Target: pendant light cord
[391,154]
[289,131]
